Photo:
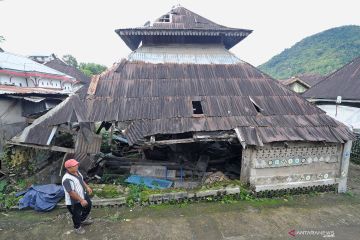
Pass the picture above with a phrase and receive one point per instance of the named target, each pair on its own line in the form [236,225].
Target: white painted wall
[350,116]
[12,80]
[19,81]
[68,87]
[42,82]
[298,88]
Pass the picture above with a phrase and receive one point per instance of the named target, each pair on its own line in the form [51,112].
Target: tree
[90,69]
[70,60]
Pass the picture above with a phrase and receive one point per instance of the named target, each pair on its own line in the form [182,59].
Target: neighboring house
[42,58]
[59,65]
[182,89]
[27,90]
[21,71]
[339,94]
[302,83]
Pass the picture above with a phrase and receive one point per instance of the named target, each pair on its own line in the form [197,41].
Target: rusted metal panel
[93,85]
[185,23]
[84,146]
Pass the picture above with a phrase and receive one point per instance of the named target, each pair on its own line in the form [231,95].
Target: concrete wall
[12,80]
[68,87]
[275,166]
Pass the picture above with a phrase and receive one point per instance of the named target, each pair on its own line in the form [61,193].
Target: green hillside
[321,53]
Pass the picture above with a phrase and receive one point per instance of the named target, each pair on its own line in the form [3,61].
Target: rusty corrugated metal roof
[183,22]
[157,98]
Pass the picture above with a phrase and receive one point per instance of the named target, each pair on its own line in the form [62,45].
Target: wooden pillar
[344,168]
[245,165]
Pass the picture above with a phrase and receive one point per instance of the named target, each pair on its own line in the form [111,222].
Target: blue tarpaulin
[153,183]
[41,197]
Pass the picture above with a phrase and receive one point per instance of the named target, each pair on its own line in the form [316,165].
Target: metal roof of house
[155,96]
[9,89]
[345,82]
[157,99]
[10,61]
[60,66]
[183,22]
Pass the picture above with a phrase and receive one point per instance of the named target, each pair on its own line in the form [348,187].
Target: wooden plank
[62,164]
[93,85]
[51,148]
[223,137]
[52,134]
[241,139]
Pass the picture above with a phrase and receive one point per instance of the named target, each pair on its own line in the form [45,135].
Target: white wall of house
[44,83]
[31,82]
[350,116]
[298,88]
[13,80]
[19,81]
[41,82]
[68,87]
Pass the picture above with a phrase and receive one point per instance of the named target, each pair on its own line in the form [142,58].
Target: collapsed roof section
[159,99]
[180,25]
[172,89]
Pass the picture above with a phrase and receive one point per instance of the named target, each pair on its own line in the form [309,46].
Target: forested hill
[321,53]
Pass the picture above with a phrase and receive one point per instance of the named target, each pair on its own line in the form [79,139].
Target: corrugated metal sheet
[183,23]
[156,98]
[24,64]
[60,66]
[188,53]
[83,146]
[344,82]
[71,109]
[268,129]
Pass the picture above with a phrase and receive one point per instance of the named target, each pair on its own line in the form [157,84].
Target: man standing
[76,195]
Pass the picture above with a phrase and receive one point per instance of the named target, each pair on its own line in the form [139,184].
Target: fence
[355,150]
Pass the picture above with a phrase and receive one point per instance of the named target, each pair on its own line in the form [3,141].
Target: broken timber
[51,148]
[196,138]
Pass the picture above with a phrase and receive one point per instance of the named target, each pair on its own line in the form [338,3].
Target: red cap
[71,163]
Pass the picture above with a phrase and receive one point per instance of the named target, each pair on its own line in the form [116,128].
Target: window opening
[197,108]
[165,18]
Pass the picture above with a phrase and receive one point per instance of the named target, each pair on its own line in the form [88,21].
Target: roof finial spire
[176,6]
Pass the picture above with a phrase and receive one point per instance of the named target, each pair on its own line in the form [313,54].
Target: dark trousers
[78,212]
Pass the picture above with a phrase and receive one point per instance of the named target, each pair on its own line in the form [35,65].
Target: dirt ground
[327,215]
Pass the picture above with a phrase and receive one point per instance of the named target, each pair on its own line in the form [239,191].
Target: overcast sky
[85,28]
